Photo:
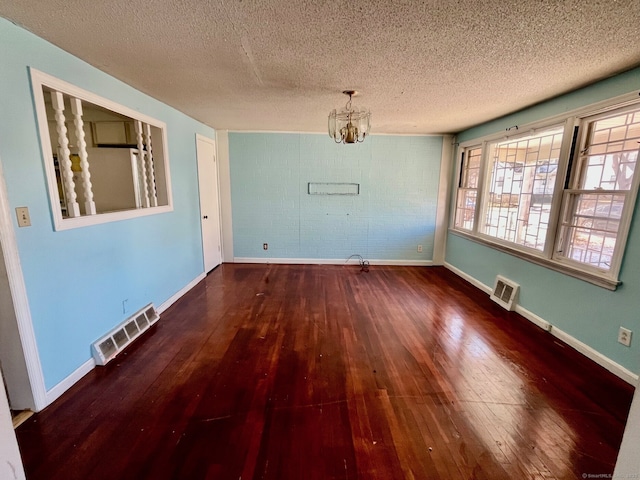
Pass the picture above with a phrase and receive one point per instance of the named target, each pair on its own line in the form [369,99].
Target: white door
[209,202]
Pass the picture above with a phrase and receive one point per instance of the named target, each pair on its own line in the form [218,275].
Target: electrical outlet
[624,336]
[419,248]
[265,246]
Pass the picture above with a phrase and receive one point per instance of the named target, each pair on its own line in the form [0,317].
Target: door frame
[18,290]
[213,142]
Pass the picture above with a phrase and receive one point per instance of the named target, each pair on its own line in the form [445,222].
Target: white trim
[615,368]
[20,299]
[558,266]
[224,181]
[589,352]
[442,212]
[38,79]
[383,134]
[454,181]
[533,318]
[331,261]
[476,283]
[87,220]
[377,134]
[42,78]
[67,383]
[176,296]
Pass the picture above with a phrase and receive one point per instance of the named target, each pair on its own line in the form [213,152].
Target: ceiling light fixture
[349,125]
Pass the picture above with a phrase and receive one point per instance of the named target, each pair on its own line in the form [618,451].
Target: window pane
[473,167]
[591,249]
[465,208]
[468,190]
[522,175]
[612,153]
[593,229]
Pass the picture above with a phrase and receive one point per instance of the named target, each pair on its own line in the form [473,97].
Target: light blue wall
[393,214]
[77,279]
[587,312]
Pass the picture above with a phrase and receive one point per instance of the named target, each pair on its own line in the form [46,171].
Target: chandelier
[350,124]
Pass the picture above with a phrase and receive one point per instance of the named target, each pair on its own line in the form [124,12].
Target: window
[559,195]
[521,178]
[468,188]
[104,162]
[602,186]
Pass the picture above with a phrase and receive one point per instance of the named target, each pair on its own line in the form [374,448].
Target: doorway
[18,352]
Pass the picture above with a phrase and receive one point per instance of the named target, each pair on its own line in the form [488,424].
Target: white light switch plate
[24,220]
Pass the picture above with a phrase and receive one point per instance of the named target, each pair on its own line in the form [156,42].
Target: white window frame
[629,204]
[548,257]
[555,204]
[38,81]
[462,185]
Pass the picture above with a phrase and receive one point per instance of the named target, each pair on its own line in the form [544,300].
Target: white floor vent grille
[105,349]
[505,292]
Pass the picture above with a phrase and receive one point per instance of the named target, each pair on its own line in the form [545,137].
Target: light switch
[23,216]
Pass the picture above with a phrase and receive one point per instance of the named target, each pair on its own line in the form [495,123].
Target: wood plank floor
[326,372]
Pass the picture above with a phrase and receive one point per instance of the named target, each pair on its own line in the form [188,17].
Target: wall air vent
[505,292]
[105,349]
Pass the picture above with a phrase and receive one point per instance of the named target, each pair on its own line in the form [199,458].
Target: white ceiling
[421,66]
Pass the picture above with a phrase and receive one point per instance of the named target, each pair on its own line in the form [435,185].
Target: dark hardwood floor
[325,372]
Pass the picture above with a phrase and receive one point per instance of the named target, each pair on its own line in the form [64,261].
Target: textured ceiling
[421,67]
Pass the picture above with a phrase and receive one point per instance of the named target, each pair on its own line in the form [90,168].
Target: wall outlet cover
[624,336]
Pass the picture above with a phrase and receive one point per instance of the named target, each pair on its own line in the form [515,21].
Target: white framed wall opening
[560,193]
[104,162]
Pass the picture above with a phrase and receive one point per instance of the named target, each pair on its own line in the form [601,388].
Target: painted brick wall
[394,212]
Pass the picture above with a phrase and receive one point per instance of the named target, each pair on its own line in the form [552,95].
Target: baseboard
[331,261]
[55,393]
[176,296]
[476,283]
[533,318]
[589,352]
[68,382]
[615,368]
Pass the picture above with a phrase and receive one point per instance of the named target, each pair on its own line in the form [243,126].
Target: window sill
[601,281]
[107,217]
